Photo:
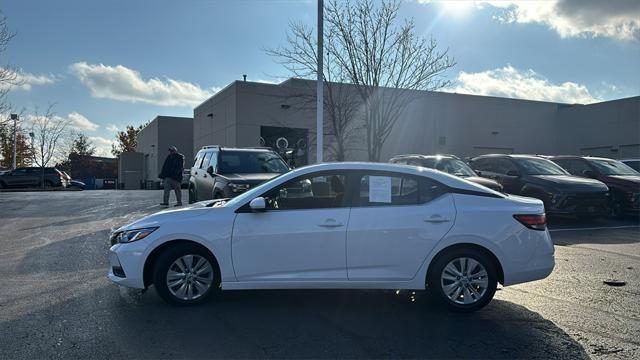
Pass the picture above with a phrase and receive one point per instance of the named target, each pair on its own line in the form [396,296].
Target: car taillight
[535,222]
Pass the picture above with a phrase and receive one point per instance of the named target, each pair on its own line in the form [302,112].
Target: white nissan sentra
[341,226]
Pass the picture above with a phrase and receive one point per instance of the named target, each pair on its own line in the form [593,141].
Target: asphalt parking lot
[57,303]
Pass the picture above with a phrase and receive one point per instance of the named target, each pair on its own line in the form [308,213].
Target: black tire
[165,261]
[436,285]
[192,195]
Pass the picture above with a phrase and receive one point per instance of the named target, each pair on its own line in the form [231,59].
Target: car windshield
[541,167]
[252,193]
[250,162]
[455,167]
[613,167]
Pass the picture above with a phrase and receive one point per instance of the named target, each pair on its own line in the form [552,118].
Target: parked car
[622,180]
[448,163]
[31,177]
[632,163]
[220,172]
[363,225]
[76,185]
[534,176]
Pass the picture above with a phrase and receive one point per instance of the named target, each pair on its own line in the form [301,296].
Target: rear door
[203,186]
[395,222]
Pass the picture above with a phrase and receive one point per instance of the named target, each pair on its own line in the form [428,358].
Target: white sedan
[338,226]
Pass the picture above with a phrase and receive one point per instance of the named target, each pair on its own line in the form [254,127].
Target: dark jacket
[173,166]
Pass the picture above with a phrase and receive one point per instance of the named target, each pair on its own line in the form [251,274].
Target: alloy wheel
[464,280]
[189,277]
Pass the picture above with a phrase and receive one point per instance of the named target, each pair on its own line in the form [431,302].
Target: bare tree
[299,57]
[8,74]
[386,62]
[50,131]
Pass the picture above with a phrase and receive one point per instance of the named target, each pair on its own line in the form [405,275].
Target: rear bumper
[538,266]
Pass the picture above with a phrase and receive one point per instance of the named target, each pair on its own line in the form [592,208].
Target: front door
[301,235]
[396,221]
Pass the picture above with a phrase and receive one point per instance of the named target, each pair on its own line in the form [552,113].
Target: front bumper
[126,264]
[578,204]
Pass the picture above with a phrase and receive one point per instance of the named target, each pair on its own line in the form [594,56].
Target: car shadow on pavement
[340,324]
[106,323]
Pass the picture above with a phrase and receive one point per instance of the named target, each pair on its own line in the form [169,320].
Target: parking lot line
[597,228]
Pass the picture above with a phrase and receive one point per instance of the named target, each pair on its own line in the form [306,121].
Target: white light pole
[320,89]
[14,117]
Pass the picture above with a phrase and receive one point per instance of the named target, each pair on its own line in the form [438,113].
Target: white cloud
[25,81]
[618,19]
[124,84]
[112,128]
[103,145]
[521,84]
[80,122]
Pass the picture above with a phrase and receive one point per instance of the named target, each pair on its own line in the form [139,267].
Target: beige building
[154,141]
[251,114]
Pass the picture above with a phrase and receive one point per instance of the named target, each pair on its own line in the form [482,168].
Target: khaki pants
[172,184]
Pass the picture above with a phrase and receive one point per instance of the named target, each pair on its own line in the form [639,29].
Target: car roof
[440,176]
[436,156]
[579,157]
[515,156]
[247,149]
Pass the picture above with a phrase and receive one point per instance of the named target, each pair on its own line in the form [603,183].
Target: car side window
[483,165]
[214,161]
[503,166]
[196,162]
[381,190]
[205,161]
[577,167]
[314,191]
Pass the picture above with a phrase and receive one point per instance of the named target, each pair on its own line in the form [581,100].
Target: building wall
[610,129]
[435,122]
[216,122]
[154,141]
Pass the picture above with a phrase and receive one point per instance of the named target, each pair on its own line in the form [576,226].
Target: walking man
[172,175]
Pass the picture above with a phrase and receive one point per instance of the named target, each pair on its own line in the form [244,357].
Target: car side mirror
[258,204]
[513,173]
[589,173]
[210,170]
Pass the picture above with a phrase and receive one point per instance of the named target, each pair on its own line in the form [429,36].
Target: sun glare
[457,8]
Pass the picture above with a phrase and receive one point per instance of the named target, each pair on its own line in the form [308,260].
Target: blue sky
[111,63]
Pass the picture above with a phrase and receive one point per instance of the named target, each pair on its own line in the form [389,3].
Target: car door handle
[436,219]
[331,224]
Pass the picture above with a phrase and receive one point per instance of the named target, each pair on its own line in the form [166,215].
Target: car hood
[491,184]
[169,215]
[250,178]
[569,183]
[627,182]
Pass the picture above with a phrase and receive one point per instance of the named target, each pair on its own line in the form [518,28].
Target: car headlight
[238,187]
[131,235]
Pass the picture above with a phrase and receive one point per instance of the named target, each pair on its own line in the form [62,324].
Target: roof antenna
[244,77]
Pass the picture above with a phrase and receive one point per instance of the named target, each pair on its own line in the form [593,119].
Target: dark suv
[448,163]
[623,181]
[220,172]
[31,177]
[534,176]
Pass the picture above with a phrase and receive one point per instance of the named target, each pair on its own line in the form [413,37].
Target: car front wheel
[463,280]
[185,275]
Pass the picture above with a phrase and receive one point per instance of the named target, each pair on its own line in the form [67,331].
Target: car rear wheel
[464,280]
[185,275]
